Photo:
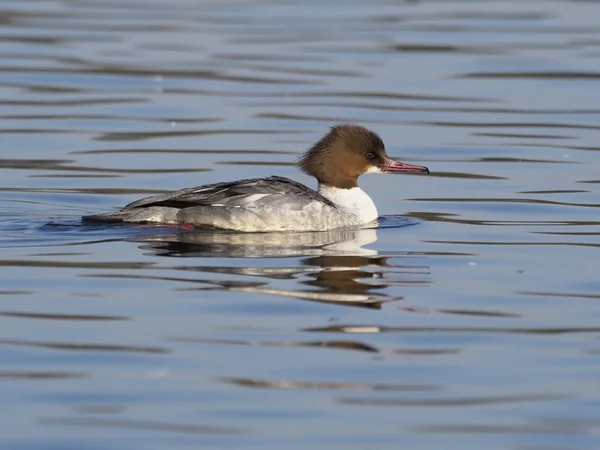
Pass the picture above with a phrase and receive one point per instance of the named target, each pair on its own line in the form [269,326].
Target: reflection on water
[338,266]
[152,426]
[261,245]
[476,328]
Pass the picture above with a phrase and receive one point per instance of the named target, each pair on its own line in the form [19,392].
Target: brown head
[345,153]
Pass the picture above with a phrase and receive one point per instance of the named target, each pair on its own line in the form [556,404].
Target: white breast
[354,201]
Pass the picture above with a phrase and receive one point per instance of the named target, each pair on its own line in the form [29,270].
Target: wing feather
[255,192]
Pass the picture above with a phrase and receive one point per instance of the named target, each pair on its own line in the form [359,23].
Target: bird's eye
[370,155]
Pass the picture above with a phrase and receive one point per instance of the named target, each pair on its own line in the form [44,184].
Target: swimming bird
[276,203]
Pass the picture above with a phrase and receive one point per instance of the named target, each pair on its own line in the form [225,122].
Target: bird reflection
[335,267]
[261,245]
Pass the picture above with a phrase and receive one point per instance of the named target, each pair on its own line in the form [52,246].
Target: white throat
[354,201]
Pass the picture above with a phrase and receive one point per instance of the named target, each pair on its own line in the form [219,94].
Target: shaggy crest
[328,160]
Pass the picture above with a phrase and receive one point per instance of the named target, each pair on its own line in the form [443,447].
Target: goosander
[280,204]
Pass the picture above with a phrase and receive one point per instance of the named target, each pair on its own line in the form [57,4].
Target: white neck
[354,201]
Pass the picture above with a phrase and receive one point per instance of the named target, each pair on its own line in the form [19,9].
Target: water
[477,326]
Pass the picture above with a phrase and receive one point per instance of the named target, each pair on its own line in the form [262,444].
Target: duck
[279,204]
